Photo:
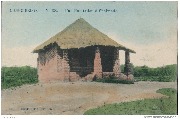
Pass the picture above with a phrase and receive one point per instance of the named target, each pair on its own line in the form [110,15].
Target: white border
[92,116]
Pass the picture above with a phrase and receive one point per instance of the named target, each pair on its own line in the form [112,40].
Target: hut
[80,52]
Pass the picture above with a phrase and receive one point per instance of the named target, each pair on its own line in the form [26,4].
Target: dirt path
[74,98]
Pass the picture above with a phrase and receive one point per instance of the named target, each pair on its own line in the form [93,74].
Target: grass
[156,78]
[162,106]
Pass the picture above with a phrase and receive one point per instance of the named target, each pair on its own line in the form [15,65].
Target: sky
[149,28]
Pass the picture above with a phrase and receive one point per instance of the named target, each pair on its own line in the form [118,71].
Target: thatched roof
[78,35]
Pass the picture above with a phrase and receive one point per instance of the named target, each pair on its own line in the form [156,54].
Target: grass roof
[78,35]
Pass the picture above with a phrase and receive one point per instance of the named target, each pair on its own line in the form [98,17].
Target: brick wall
[73,76]
[53,65]
[66,66]
[97,64]
[116,68]
[108,74]
[47,65]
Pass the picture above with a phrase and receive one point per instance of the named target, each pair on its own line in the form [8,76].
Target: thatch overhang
[80,34]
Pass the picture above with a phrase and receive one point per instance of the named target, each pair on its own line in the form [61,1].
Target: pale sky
[149,28]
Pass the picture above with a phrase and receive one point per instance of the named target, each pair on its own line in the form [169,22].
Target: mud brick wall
[66,66]
[47,65]
[73,76]
[116,68]
[53,65]
[60,62]
[97,64]
[63,67]
[108,74]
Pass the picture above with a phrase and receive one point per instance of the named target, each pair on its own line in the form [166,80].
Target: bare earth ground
[74,98]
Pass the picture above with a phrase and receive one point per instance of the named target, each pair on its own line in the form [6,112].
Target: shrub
[166,73]
[17,76]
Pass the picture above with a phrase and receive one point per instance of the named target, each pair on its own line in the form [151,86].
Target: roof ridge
[75,22]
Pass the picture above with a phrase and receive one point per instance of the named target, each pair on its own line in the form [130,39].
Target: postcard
[89,58]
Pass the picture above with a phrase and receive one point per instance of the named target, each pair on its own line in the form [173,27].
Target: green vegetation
[162,106]
[17,76]
[113,80]
[166,73]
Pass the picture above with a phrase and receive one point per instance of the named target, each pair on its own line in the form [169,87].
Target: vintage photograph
[89,58]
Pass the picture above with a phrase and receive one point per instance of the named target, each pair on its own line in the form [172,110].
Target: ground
[74,97]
